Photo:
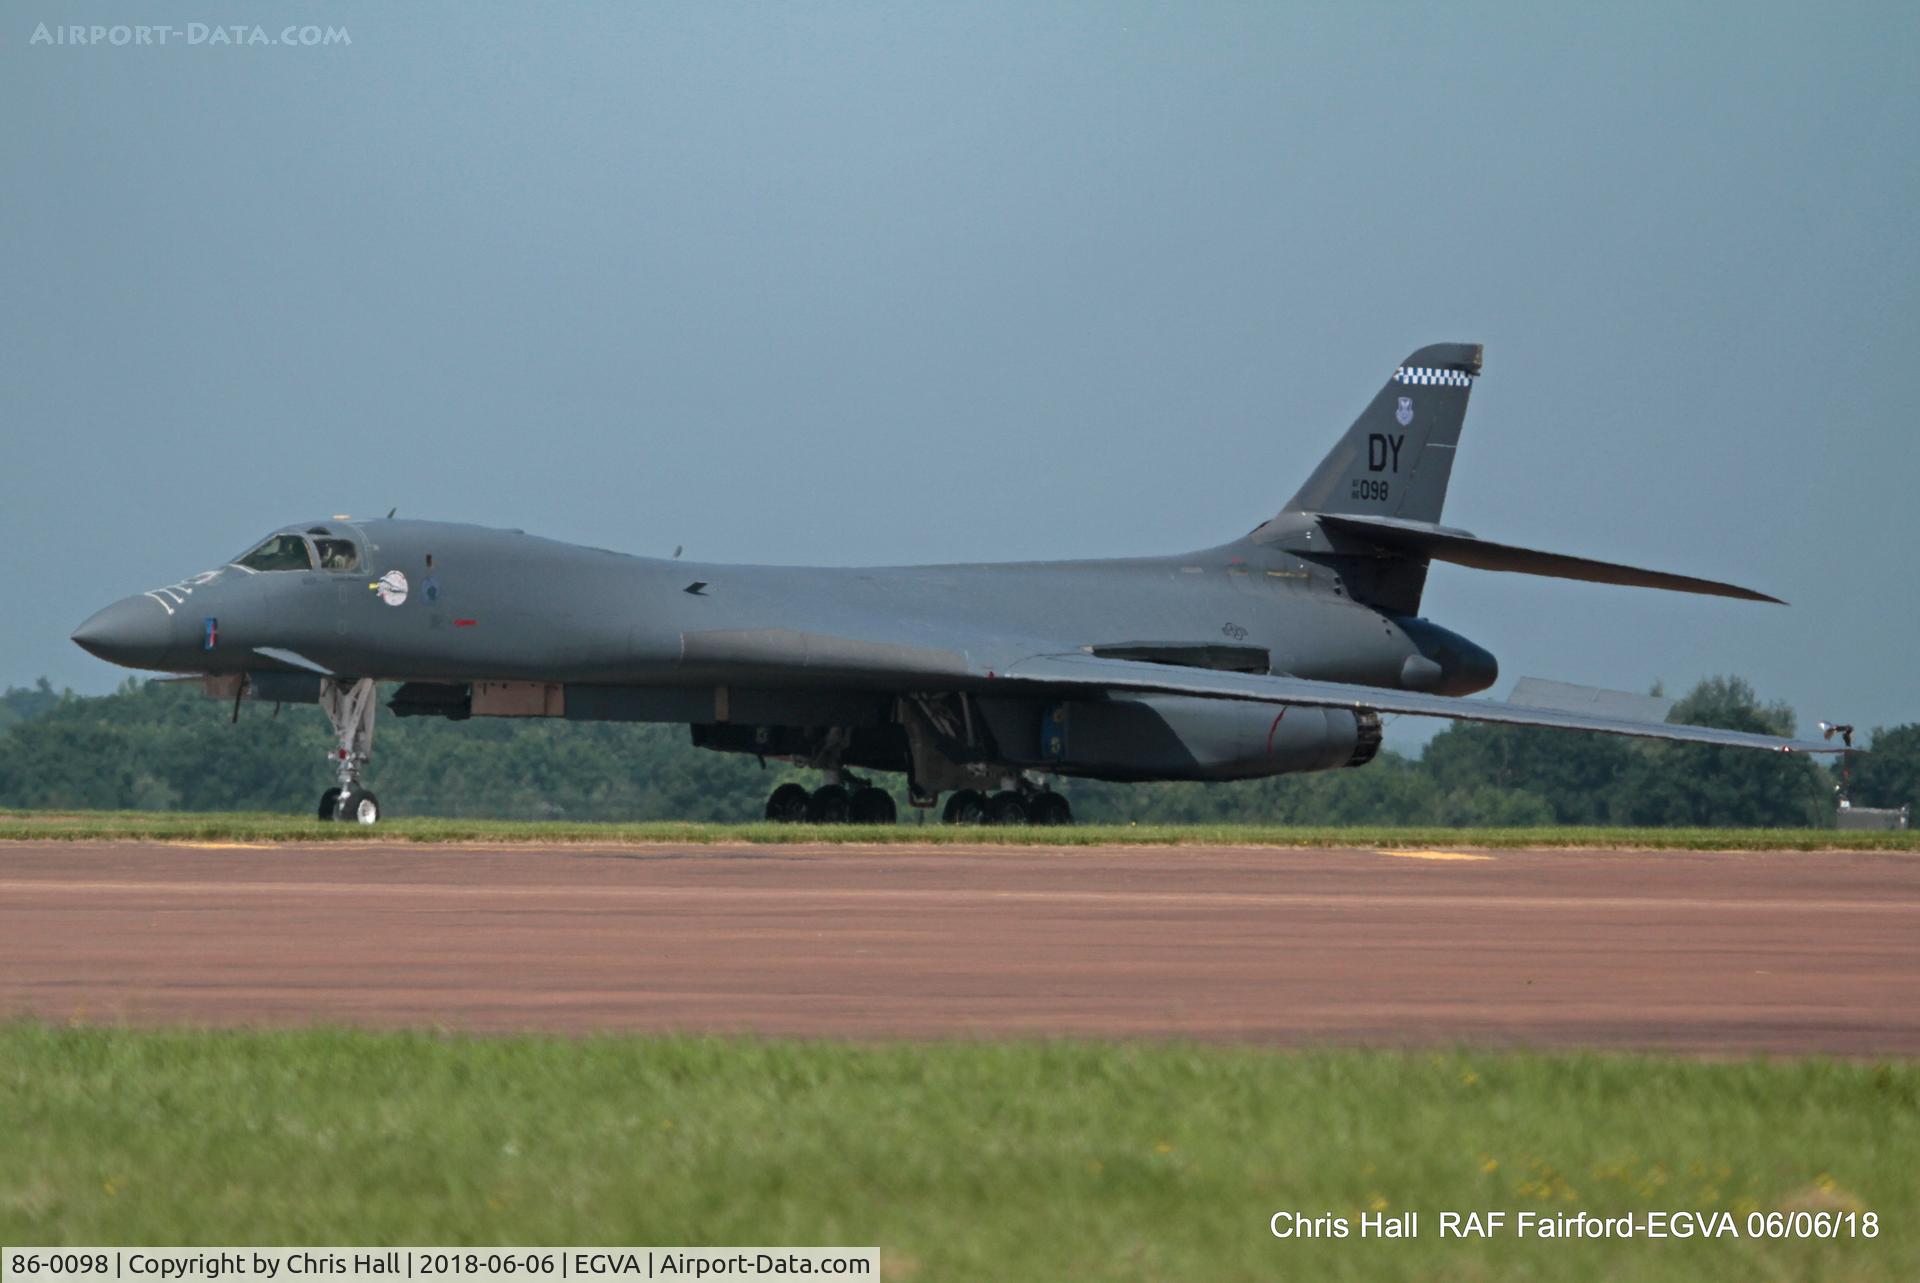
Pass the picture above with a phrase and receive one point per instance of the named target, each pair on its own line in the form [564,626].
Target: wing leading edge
[1089,671]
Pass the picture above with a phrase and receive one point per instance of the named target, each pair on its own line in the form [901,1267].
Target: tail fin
[1397,457]
[1373,505]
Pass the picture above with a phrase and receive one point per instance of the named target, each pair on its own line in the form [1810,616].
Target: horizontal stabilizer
[1068,672]
[1441,543]
[1538,692]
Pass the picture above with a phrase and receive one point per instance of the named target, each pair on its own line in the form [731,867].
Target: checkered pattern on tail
[1428,375]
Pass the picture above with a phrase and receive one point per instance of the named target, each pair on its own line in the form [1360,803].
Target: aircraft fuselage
[473,603]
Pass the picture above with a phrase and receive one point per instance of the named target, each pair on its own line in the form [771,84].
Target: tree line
[160,746]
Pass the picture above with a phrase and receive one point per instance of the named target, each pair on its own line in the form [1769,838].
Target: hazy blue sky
[902,282]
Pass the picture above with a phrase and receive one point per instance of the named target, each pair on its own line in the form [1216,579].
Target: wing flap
[1439,543]
[1538,692]
[1070,672]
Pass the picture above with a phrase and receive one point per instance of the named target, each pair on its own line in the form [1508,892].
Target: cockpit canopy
[294,551]
[279,552]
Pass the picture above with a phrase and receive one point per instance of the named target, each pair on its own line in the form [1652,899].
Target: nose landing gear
[349,708]
[359,806]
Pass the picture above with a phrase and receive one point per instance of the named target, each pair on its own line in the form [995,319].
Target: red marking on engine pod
[1276,726]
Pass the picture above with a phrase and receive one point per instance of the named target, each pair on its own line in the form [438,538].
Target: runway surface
[1716,953]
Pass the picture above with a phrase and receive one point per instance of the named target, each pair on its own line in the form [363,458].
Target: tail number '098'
[61,1263]
[1367,488]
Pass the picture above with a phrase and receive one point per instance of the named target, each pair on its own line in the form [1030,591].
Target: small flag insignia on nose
[211,637]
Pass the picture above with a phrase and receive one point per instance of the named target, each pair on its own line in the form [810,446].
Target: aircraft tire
[329,804]
[1008,808]
[1049,810]
[872,806]
[966,806]
[788,804]
[828,805]
[357,806]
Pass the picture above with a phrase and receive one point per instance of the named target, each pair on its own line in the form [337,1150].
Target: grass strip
[963,1160]
[18,825]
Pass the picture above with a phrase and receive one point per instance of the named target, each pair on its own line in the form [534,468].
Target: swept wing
[1079,671]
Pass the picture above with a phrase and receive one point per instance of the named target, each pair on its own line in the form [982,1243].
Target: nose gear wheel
[349,707]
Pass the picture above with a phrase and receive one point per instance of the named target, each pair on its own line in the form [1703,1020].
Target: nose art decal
[176,594]
[392,588]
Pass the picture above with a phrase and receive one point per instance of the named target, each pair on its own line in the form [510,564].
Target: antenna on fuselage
[391,511]
[677,550]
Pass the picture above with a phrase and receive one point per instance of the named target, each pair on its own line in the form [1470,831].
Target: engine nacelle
[1184,737]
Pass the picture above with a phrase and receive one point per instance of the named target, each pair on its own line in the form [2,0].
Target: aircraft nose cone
[135,631]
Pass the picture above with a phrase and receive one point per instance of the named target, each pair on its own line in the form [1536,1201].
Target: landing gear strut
[350,709]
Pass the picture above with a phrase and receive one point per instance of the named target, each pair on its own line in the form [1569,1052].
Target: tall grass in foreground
[267,827]
[962,1160]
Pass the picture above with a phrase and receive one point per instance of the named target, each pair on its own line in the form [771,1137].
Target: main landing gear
[854,802]
[1038,807]
[857,802]
[350,709]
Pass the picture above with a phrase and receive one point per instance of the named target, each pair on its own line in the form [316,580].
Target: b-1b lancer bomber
[1278,651]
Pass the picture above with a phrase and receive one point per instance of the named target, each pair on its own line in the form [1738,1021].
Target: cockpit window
[337,554]
[281,552]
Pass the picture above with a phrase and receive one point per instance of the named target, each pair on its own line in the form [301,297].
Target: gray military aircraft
[1277,652]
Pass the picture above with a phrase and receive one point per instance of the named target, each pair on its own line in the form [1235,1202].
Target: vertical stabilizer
[1397,457]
